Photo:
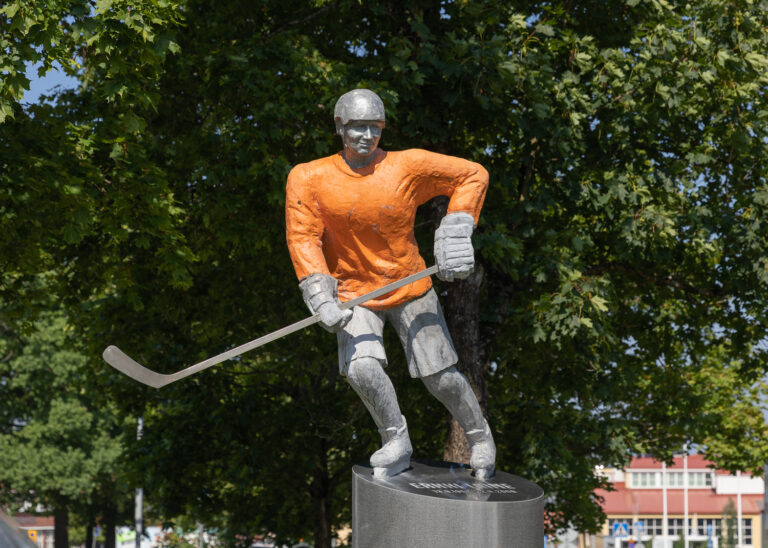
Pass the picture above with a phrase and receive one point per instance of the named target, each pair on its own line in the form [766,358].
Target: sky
[40,86]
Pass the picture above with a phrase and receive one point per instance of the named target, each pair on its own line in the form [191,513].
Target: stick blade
[126,365]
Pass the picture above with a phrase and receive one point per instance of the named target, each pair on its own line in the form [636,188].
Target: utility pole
[139,509]
[686,528]
[764,521]
[738,509]
[665,514]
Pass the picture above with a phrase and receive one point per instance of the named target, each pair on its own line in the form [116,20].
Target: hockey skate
[483,459]
[395,454]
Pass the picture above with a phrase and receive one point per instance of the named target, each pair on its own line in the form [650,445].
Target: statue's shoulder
[414,155]
[313,168]
[411,152]
[310,171]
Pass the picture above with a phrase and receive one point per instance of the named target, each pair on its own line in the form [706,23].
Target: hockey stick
[123,363]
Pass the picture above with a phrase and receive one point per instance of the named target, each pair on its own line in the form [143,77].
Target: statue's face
[362,131]
[361,137]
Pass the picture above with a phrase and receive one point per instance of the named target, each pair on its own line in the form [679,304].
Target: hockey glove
[319,292]
[454,254]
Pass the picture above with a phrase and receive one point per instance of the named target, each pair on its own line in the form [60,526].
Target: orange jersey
[357,224]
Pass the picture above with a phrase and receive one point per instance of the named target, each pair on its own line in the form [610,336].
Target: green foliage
[622,239]
[116,46]
[60,446]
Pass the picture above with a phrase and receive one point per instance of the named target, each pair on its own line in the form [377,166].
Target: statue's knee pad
[364,372]
[446,382]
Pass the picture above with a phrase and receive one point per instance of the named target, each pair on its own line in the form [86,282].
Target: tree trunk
[320,489]
[462,311]
[322,522]
[110,516]
[89,536]
[61,528]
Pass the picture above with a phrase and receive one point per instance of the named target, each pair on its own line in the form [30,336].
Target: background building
[12,535]
[38,528]
[652,504]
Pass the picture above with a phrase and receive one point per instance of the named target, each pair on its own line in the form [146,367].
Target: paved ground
[11,537]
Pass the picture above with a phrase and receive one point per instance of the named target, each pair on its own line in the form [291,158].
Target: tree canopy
[60,446]
[618,306]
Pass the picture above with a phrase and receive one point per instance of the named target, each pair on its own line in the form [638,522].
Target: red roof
[32,521]
[694,461]
[650,501]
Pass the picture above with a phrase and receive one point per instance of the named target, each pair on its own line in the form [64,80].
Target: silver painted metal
[439,504]
[454,254]
[358,104]
[125,364]
[359,117]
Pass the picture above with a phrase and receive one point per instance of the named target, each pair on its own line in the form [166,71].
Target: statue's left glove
[454,254]
[319,292]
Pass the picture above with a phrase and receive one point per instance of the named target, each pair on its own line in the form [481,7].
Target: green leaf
[117,151]
[103,6]
[508,69]
[71,234]
[757,60]
[599,303]
[133,123]
[11,9]
[6,111]
[722,57]
[546,30]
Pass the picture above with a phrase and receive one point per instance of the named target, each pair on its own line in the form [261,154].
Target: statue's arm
[466,183]
[304,233]
[303,226]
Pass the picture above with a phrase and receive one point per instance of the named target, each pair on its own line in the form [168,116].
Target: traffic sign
[621,529]
[32,534]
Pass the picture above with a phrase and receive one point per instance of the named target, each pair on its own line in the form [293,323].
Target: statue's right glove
[319,292]
[454,254]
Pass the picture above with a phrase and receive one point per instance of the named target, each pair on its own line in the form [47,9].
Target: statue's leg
[361,360]
[454,391]
[429,349]
[372,384]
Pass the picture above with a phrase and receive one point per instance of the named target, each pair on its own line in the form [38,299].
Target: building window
[675,479]
[695,479]
[699,479]
[747,531]
[643,479]
[651,526]
[676,526]
[705,525]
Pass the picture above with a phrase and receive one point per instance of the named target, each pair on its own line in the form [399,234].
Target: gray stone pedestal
[440,505]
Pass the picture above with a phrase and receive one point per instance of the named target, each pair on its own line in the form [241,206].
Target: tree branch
[664,281]
[301,20]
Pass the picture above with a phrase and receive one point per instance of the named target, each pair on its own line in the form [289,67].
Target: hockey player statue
[349,222]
